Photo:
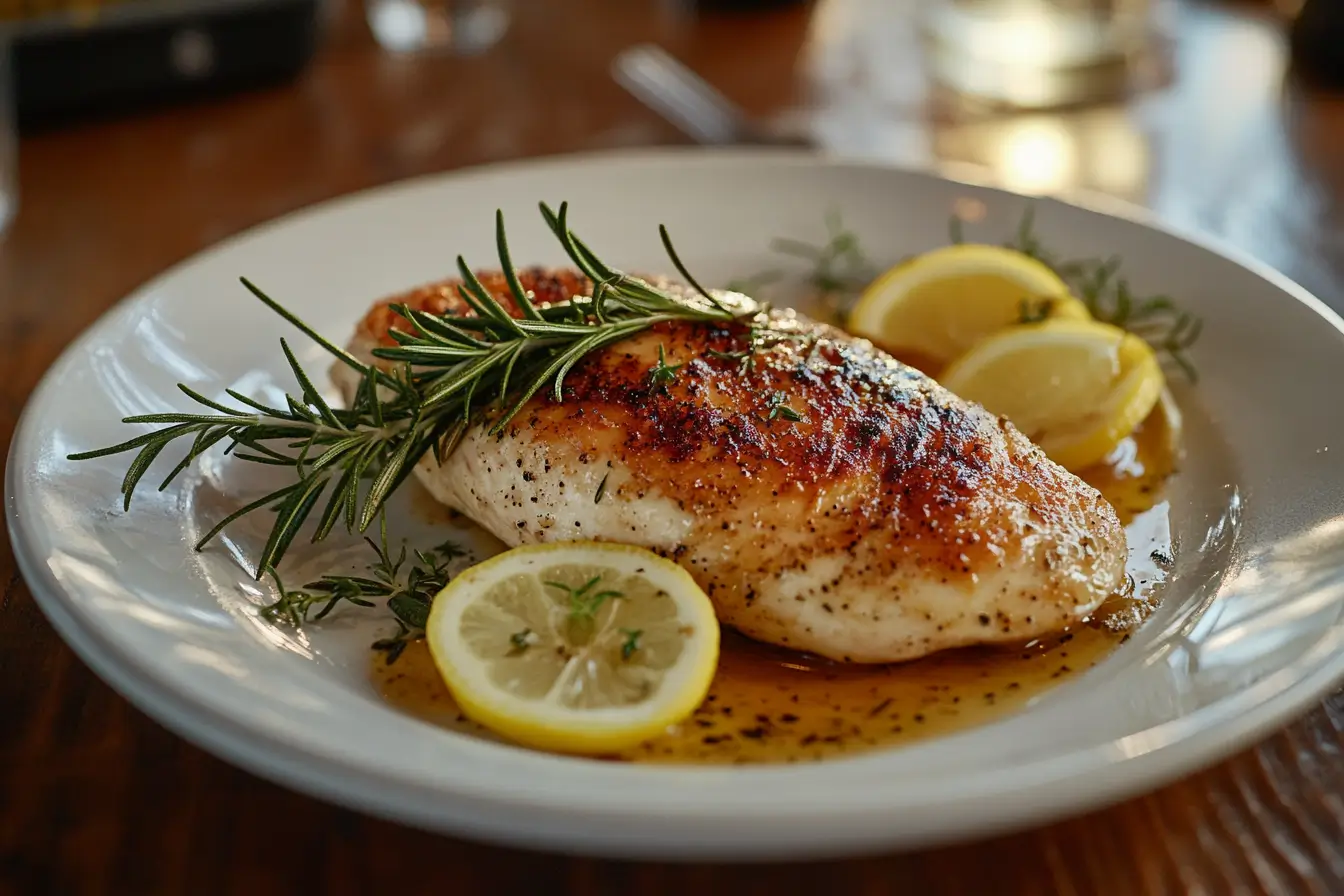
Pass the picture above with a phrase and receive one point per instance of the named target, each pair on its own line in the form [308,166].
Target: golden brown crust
[881,450]
[885,466]
[544,285]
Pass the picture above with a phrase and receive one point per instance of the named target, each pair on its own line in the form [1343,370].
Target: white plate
[1249,634]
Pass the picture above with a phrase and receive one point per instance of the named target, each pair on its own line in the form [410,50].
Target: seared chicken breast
[827,497]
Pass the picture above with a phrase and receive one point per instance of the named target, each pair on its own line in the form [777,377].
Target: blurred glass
[461,27]
[9,146]
[1041,53]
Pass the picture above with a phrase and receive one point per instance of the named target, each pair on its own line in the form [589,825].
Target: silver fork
[682,97]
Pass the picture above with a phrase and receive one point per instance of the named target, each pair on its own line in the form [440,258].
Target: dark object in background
[140,52]
[1317,43]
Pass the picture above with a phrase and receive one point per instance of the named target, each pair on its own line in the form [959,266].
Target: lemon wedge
[939,304]
[1075,388]
[580,647]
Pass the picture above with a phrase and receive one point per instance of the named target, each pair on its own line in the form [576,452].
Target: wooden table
[95,798]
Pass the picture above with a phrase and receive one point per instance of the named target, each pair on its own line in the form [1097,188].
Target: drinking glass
[1041,53]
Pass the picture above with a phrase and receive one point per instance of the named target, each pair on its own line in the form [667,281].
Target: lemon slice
[939,304]
[1076,388]
[579,647]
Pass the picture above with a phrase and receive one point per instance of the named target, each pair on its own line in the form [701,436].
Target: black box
[134,53]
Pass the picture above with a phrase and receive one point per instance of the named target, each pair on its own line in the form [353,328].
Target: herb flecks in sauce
[772,705]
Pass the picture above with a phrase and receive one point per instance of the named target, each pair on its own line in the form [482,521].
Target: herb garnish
[840,269]
[601,488]
[1034,311]
[778,408]
[759,337]
[583,605]
[1109,298]
[631,643]
[744,357]
[408,595]
[750,285]
[452,371]
[663,373]
[521,640]
[956,230]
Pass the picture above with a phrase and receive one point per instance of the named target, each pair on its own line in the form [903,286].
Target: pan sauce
[772,705]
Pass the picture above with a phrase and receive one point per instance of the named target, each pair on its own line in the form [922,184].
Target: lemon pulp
[940,304]
[576,647]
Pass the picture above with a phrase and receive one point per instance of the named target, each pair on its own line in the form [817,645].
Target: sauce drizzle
[772,705]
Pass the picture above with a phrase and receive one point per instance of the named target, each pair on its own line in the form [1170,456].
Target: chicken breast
[827,497]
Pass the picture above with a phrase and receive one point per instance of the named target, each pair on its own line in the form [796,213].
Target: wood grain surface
[95,798]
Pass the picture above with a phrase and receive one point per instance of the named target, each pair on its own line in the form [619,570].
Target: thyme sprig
[778,406]
[1109,298]
[630,646]
[583,601]
[446,373]
[840,268]
[663,373]
[760,336]
[407,589]
[1034,311]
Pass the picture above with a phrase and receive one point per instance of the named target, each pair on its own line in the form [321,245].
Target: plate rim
[355,787]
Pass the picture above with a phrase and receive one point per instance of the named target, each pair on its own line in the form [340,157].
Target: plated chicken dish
[731,532]
[883,519]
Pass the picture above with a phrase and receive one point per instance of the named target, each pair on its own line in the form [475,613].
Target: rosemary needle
[447,372]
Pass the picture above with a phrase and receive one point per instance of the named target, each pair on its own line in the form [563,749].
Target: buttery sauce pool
[773,705]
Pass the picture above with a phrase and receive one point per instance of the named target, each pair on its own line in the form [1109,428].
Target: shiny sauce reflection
[772,705]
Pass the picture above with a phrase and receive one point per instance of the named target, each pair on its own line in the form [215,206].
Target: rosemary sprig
[448,372]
